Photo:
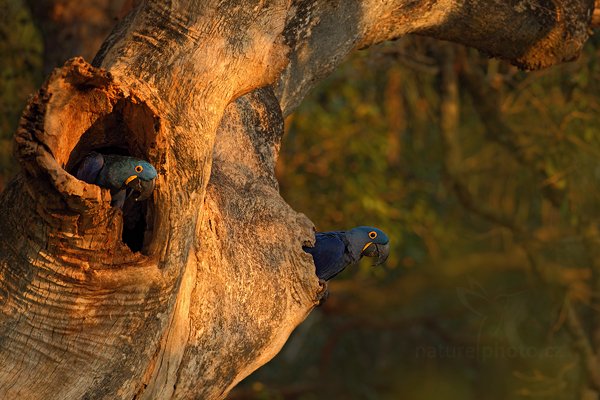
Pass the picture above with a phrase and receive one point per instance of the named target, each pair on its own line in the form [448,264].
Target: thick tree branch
[532,35]
[220,280]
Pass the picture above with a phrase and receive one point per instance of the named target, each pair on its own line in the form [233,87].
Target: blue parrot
[334,251]
[125,176]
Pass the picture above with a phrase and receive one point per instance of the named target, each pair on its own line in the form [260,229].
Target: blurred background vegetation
[486,179]
[20,74]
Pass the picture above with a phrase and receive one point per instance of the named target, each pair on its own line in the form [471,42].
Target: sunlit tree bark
[210,286]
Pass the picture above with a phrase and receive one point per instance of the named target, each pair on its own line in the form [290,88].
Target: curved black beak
[140,189]
[381,251]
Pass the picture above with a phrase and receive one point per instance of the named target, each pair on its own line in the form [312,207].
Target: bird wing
[90,167]
[329,254]
[118,198]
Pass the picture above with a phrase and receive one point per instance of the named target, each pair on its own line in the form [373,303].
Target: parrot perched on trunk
[334,251]
[125,176]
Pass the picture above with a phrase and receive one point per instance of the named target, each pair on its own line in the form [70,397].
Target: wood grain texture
[200,89]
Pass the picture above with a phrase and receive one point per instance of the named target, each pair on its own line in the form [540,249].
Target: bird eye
[372,234]
[139,169]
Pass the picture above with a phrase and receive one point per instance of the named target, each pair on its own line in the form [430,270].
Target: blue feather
[329,254]
[334,251]
[123,175]
[90,167]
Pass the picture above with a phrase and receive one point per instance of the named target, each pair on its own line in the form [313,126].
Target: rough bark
[211,285]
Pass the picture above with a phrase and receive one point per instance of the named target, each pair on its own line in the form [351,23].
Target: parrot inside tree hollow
[125,176]
[334,251]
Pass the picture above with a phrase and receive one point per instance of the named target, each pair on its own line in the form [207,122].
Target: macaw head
[140,178]
[373,242]
[133,174]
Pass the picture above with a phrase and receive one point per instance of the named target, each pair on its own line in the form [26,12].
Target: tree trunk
[211,284]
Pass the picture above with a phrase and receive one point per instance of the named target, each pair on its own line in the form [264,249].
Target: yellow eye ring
[139,169]
[372,234]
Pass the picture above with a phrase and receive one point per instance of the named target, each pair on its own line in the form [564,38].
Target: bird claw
[323,294]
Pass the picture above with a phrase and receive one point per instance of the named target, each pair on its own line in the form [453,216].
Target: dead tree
[209,285]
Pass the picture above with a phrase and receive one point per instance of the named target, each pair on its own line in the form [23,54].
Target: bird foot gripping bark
[323,293]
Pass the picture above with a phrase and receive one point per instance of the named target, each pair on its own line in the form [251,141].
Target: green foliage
[20,73]
[493,228]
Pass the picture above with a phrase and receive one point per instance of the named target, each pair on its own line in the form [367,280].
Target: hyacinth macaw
[125,176]
[334,251]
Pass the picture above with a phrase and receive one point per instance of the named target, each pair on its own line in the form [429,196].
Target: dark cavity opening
[134,224]
[129,130]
